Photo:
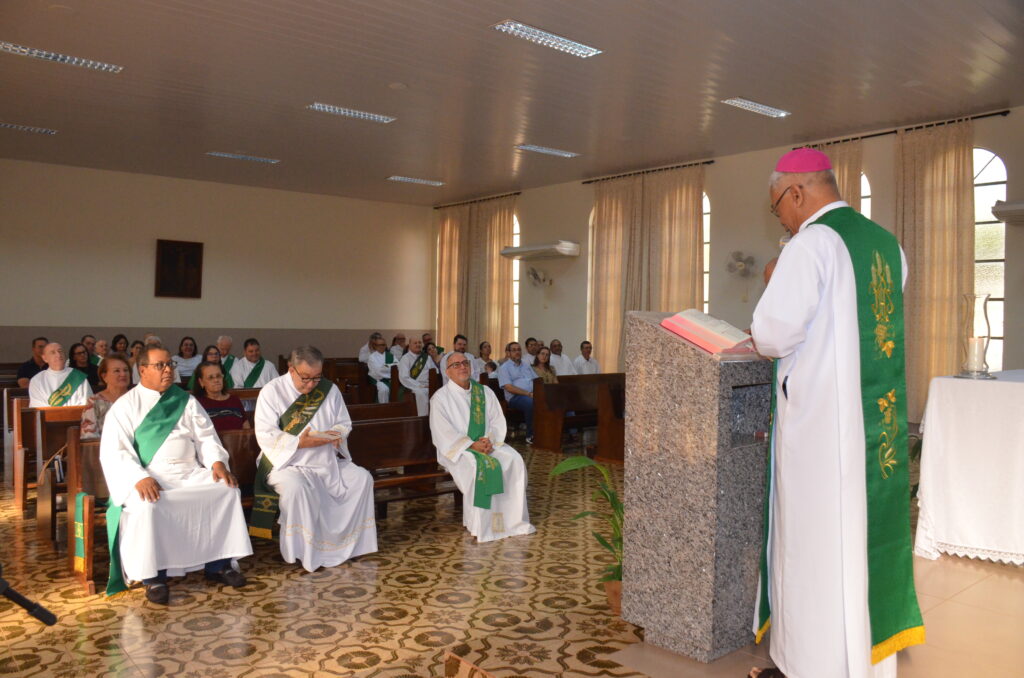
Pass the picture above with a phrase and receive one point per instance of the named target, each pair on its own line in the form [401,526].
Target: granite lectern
[694,491]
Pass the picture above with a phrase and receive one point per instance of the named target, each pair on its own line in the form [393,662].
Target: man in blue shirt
[516,379]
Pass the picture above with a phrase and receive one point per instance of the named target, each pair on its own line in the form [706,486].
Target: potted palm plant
[612,577]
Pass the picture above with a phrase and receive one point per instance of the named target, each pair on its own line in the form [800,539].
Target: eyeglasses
[160,367]
[461,363]
[774,208]
[309,380]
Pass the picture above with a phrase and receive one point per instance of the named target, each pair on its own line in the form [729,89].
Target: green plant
[605,490]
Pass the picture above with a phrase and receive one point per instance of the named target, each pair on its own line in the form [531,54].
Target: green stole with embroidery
[63,394]
[257,370]
[488,470]
[878,274]
[149,436]
[417,366]
[292,421]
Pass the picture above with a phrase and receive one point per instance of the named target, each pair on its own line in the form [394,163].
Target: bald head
[54,356]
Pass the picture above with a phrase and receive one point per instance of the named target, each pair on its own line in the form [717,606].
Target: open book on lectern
[715,336]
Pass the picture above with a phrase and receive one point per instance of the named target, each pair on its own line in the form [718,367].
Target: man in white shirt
[414,373]
[561,363]
[378,368]
[58,385]
[459,345]
[399,345]
[367,348]
[252,370]
[224,345]
[584,363]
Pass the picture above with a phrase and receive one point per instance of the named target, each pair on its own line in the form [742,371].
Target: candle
[976,354]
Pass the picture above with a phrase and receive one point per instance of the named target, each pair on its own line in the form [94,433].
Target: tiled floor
[528,606]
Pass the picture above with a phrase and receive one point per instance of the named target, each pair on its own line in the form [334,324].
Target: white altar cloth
[971,496]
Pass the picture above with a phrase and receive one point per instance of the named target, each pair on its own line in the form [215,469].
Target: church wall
[79,247]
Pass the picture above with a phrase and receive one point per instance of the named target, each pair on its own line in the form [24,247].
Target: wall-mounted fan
[740,264]
[537,277]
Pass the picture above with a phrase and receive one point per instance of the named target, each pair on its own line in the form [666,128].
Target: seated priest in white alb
[174,505]
[366,349]
[251,370]
[58,385]
[224,345]
[399,345]
[378,367]
[305,469]
[468,429]
[562,363]
[414,373]
[585,363]
[459,345]
[150,339]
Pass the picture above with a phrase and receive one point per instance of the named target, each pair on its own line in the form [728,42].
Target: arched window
[990,246]
[515,280]
[865,195]
[706,210]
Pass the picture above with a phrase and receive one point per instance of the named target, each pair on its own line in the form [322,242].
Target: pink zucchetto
[802,161]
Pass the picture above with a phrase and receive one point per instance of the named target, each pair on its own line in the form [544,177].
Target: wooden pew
[572,393]
[351,377]
[434,382]
[512,416]
[9,372]
[10,393]
[282,364]
[38,433]
[611,422]
[401,408]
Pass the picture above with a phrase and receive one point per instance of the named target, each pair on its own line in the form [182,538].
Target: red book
[709,333]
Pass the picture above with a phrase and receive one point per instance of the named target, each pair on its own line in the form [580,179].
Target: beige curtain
[935,225]
[646,252]
[474,282]
[847,166]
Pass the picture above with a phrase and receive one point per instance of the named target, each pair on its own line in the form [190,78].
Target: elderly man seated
[224,345]
[378,367]
[468,429]
[251,370]
[305,469]
[174,505]
[562,363]
[414,373]
[366,349]
[58,385]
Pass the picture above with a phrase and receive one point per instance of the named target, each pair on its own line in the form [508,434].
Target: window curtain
[847,166]
[646,248]
[935,225]
[474,282]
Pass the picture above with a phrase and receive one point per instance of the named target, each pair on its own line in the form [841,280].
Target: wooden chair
[611,422]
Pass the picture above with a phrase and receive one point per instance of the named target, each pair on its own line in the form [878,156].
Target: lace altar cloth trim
[980,554]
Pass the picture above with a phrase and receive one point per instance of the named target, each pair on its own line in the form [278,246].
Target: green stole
[63,394]
[488,470]
[94,360]
[228,381]
[149,436]
[878,273]
[417,366]
[292,421]
[228,362]
[257,370]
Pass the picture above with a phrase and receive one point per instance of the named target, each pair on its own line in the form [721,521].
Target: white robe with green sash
[242,367]
[379,369]
[196,520]
[449,423]
[420,385]
[42,385]
[326,501]
[818,565]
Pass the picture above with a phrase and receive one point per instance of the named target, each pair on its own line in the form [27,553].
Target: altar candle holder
[976,335]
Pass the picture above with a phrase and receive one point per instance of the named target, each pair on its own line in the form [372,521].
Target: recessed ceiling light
[239,156]
[350,113]
[413,180]
[549,151]
[754,107]
[27,128]
[546,39]
[11,48]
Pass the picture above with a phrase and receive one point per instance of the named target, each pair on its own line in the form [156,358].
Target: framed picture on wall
[179,269]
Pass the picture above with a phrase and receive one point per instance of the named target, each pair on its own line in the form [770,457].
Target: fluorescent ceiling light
[546,39]
[11,48]
[413,180]
[755,107]
[350,113]
[238,156]
[549,151]
[27,128]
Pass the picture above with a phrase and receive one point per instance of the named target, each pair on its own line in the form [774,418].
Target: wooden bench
[401,408]
[9,372]
[611,422]
[38,433]
[553,402]
[10,393]
[351,377]
[513,417]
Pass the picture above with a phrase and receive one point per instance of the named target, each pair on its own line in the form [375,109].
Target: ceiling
[236,76]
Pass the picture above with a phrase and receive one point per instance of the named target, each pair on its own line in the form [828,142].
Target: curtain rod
[469,202]
[650,171]
[907,129]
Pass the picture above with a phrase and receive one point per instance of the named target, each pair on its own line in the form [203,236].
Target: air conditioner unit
[551,250]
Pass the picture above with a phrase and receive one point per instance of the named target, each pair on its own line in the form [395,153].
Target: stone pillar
[694,491]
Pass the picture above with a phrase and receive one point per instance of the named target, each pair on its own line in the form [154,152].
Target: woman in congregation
[483,357]
[225,408]
[211,354]
[119,344]
[542,366]
[188,357]
[78,358]
[116,373]
[435,355]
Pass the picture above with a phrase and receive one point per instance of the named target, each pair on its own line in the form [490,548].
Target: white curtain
[847,166]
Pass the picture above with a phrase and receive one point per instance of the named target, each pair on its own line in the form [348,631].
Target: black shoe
[158,594]
[228,577]
[529,440]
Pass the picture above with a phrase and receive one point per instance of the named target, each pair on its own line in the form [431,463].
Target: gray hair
[225,337]
[154,341]
[309,355]
[826,177]
[376,335]
[148,348]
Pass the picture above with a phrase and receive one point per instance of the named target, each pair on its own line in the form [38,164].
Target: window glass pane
[865,207]
[706,204]
[707,257]
[515,269]
[984,198]
[515,240]
[515,224]
[706,307]
[515,292]
[515,318]
[707,228]
[988,279]
[988,167]
[865,185]
[990,241]
[995,318]
[707,285]
[994,356]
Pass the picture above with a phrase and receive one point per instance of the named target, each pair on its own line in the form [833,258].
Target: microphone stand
[34,609]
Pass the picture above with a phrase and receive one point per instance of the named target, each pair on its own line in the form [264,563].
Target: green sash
[228,381]
[227,361]
[417,366]
[149,436]
[63,394]
[94,359]
[488,470]
[389,359]
[878,273]
[79,533]
[257,370]
[292,421]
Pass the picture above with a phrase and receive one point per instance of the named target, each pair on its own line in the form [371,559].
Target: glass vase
[976,334]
